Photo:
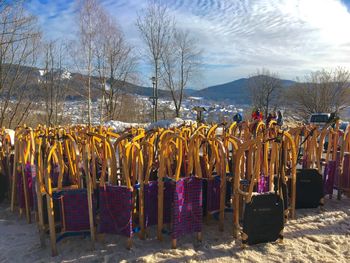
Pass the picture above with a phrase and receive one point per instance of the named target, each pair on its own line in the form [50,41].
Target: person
[238,117]
[257,115]
[279,118]
[256,118]
[269,118]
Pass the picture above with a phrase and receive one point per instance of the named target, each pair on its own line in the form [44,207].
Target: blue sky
[237,37]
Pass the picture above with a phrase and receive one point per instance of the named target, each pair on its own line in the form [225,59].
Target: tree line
[320,91]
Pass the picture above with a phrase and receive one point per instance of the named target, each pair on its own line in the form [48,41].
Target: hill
[235,91]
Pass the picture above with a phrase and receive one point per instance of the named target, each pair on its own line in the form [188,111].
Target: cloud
[57,18]
[291,37]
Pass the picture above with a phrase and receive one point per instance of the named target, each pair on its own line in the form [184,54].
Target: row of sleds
[90,180]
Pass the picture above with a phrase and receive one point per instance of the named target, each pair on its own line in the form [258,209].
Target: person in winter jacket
[279,118]
[238,117]
[257,115]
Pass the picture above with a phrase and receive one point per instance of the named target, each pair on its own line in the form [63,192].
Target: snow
[108,87]
[42,72]
[315,236]
[66,75]
[169,123]
[195,98]
[12,135]
[119,126]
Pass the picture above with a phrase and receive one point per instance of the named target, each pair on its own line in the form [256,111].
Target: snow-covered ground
[119,126]
[313,237]
[76,111]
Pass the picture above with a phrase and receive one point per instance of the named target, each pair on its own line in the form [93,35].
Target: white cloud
[291,37]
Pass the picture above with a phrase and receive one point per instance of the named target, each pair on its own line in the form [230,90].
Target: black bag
[309,189]
[263,219]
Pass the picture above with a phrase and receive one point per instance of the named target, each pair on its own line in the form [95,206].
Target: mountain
[32,80]
[235,91]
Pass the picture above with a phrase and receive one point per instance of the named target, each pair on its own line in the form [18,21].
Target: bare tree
[115,64]
[320,91]
[54,81]
[19,37]
[89,16]
[180,61]
[155,25]
[265,88]
[121,65]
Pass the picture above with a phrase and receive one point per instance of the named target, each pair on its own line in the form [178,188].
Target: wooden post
[38,187]
[14,176]
[160,208]
[24,181]
[89,195]
[50,211]
[129,243]
[222,189]
[142,209]
[235,214]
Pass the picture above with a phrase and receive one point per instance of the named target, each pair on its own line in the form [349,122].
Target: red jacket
[257,116]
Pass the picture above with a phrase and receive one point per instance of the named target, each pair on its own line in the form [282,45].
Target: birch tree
[155,25]
[115,64]
[181,62]
[89,16]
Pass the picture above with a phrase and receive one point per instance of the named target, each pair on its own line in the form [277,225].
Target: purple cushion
[151,202]
[213,195]
[328,179]
[116,210]
[75,210]
[187,209]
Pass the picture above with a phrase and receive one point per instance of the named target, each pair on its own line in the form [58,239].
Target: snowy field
[315,236]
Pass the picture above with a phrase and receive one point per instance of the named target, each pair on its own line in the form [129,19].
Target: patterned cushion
[151,202]
[116,210]
[187,209]
[213,195]
[75,210]
[169,191]
[328,179]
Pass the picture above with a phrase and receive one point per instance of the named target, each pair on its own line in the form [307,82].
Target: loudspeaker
[309,189]
[263,219]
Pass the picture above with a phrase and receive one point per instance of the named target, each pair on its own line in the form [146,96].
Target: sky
[236,37]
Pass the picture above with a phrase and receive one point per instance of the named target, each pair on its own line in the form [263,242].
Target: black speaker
[263,219]
[309,188]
